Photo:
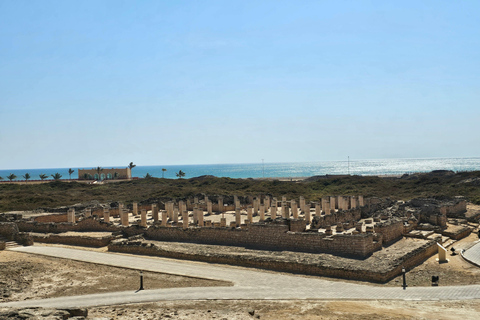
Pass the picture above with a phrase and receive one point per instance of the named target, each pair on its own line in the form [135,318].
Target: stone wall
[72,240]
[86,225]
[62,217]
[8,230]
[269,237]
[391,230]
[341,216]
[457,209]
[410,260]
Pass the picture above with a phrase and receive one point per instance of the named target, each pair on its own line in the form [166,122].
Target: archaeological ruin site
[349,237]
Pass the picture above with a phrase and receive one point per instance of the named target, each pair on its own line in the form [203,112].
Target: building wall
[105,174]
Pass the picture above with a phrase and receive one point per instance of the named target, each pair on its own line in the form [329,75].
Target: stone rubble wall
[391,230]
[269,237]
[8,230]
[86,225]
[72,240]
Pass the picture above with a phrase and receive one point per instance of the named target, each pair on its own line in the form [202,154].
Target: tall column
[123,217]
[317,209]
[175,215]
[286,211]
[185,219]
[361,202]
[353,202]
[143,218]
[273,210]
[237,217]
[220,204]
[284,201]
[302,204]
[155,212]
[262,212]
[209,206]
[235,199]
[326,204]
[135,209]
[333,204]
[181,206]
[164,218]
[256,204]
[307,214]
[250,213]
[206,199]
[294,209]
[195,215]
[266,202]
[106,215]
[200,217]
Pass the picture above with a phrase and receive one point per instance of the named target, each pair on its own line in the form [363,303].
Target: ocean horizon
[278,170]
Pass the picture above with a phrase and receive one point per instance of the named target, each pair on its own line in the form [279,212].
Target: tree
[11,176]
[180,174]
[131,165]
[43,176]
[163,172]
[27,176]
[148,176]
[98,169]
[70,171]
[56,176]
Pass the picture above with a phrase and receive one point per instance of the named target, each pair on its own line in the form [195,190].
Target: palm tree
[70,171]
[27,176]
[131,165]
[11,176]
[43,176]
[56,176]
[163,172]
[98,169]
[180,174]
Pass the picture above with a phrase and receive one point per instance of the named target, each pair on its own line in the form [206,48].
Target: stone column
[169,208]
[143,218]
[200,217]
[195,200]
[273,210]
[238,217]
[164,218]
[353,202]
[209,207]
[220,204]
[175,215]
[185,219]
[286,212]
[71,215]
[294,209]
[361,202]
[262,212]
[302,204]
[155,212]
[135,209]
[250,213]
[181,206]
[266,201]
[123,217]
[106,215]
[223,222]
[333,204]
[317,209]
[88,212]
[256,205]
[284,201]
[206,199]
[326,206]
[235,199]
[308,217]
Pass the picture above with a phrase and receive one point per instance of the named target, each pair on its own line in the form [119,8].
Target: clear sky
[103,83]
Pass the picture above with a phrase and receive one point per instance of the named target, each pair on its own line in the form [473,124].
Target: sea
[277,170]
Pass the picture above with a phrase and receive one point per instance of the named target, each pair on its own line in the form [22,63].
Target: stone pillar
[195,215]
[71,215]
[256,205]
[333,204]
[442,254]
[237,204]
[169,208]
[238,217]
[200,217]
[235,200]
[284,201]
[143,218]
[262,212]
[135,209]
[302,204]
[175,215]
[266,201]
[195,200]
[361,202]
[155,212]
[206,199]
[164,218]
[307,215]
[317,209]
[123,217]
[353,202]
[326,206]
[209,207]
[223,222]
[106,215]
[286,212]
[185,219]
[273,210]
[250,214]
[181,206]
[294,209]
[220,205]
[88,212]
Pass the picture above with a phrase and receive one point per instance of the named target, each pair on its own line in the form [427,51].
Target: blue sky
[100,83]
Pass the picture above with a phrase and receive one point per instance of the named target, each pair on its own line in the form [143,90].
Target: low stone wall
[8,230]
[57,218]
[269,237]
[391,230]
[457,210]
[458,234]
[86,225]
[79,240]
[341,216]
[270,263]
